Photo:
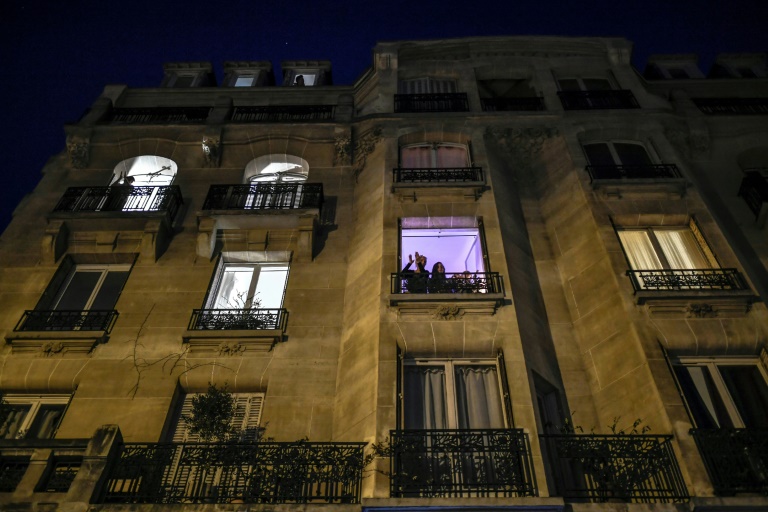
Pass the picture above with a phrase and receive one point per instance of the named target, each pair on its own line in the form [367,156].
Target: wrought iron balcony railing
[468,463]
[633,172]
[687,279]
[12,470]
[283,113]
[264,196]
[121,199]
[632,468]
[60,474]
[736,458]
[247,319]
[158,115]
[452,282]
[594,100]
[43,320]
[439,175]
[437,102]
[512,104]
[754,190]
[732,106]
[263,472]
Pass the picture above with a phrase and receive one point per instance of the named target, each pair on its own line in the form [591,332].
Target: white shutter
[247,416]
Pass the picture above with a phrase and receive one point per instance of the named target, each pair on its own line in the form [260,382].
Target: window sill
[697,304]
[50,343]
[446,306]
[620,188]
[231,342]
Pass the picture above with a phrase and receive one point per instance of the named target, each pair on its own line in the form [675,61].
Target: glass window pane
[478,401]
[234,287]
[631,154]
[599,154]
[244,81]
[11,421]
[424,397]
[78,290]
[270,287]
[703,398]
[46,420]
[749,393]
[639,250]
[110,289]
[681,249]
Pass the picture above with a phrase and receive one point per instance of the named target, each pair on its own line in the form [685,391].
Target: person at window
[438,283]
[464,283]
[416,280]
[119,192]
[299,81]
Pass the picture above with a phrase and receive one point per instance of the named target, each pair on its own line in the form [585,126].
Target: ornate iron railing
[264,196]
[754,190]
[512,104]
[687,279]
[264,472]
[732,106]
[12,470]
[121,199]
[436,102]
[45,320]
[439,175]
[451,282]
[60,475]
[593,100]
[633,172]
[204,319]
[452,463]
[736,458]
[632,468]
[283,113]
[158,115]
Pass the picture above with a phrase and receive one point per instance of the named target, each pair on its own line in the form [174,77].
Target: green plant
[212,414]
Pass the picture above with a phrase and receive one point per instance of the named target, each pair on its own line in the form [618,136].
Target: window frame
[427,85]
[434,146]
[480,226]
[104,269]
[211,297]
[701,242]
[712,365]
[36,402]
[650,151]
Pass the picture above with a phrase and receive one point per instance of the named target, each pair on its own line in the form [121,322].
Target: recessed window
[585,84]
[665,248]
[92,287]
[246,286]
[33,417]
[452,394]
[434,156]
[145,170]
[244,80]
[725,392]
[456,242]
[246,419]
[426,86]
[616,153]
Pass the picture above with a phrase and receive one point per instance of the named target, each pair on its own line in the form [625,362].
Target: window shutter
[50,293]
[213,286]
[506,397]
[182,434]
[679,388]
[247,417]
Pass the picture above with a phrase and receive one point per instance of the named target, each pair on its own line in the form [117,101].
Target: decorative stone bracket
[53,344]
[445,308]
[231,343]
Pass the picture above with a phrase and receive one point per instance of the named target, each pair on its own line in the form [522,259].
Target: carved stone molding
[447,312]
[364,146]
[701,311]
[714,307]
[522,144]
[445,308]
[231,343]
[343,150]
[211,151]
[55,344]
[79,152]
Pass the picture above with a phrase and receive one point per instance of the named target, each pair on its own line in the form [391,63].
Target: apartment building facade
[516,271]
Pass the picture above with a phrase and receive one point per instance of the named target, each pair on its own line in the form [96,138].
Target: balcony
[264,472]
[598,100]
[533,103]
[234,331]
[238,319]
[685,280]
[628,468]
[283,114]
[158,115]
[736,459]
[436,102]
[123,201]
[754,191]
[93,320]
[732,106]
[461,463]
[264,197]
[438,183]
[456,294]
[620,180]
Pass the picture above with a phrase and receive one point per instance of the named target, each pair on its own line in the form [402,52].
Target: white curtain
[640,252]
[681,249]
[416,157]
[478,400]
[425,397]
[16,414]
[451,157]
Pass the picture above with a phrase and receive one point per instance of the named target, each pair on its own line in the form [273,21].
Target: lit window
[724,392]
[32,417]
[452,395]
[146,170]
[665,248]
[247,286]
[456,242]
[434,156]
[426,86]
[244,80]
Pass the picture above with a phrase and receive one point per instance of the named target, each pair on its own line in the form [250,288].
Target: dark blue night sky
[57,55]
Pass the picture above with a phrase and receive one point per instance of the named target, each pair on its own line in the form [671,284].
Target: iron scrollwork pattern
[52,320]
[451,282]
[468,463]
[264,196]
[257,318]
[687,279]
[631,468]
[432,102]
[438,175]
[736,459]
[12,470]
[264,472]
[633,172]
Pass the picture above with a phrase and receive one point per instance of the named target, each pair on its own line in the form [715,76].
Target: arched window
[146,171]
[279,168]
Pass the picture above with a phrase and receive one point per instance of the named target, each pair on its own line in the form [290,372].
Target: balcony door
[92,287]
[246,286]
